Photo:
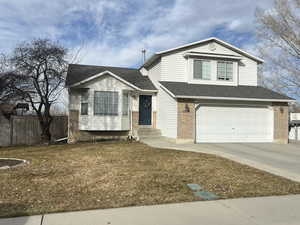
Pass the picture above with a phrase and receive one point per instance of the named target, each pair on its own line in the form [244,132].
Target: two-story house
[206,91]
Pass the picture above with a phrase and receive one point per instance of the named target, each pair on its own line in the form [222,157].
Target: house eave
[158,54]
[218,41]
[189,54]
[113,75]
[233,98]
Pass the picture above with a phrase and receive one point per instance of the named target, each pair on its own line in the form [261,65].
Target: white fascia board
[186,45]
[235,99]
[213,39]
[212,56]
[148,91]
[113,75]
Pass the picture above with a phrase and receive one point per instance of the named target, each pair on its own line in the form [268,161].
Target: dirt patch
[117,174]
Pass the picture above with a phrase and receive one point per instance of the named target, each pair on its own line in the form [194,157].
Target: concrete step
[148,132]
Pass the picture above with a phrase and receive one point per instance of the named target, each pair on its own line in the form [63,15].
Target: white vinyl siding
[154,73]
[202,69]
[175,67]
[224,70]
[167,116]
[248,72]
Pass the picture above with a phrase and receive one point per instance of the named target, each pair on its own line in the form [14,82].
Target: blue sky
[113,32]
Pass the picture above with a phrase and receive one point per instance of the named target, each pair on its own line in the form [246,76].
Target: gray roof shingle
[77,73]
[194,90]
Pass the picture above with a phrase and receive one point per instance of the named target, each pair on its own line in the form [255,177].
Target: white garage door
[234,124]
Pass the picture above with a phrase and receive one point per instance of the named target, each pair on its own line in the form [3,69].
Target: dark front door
[145,109]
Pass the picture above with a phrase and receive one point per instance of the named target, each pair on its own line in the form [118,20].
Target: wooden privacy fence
[25,130]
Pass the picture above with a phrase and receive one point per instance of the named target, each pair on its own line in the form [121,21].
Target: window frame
[125,113]
[210,70]
[86,112]
[84,100]
[226,78]
[114,105]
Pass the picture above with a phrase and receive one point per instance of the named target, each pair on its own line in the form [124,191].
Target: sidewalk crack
[42,220]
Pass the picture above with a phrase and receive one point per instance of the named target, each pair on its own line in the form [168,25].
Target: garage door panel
[234,124]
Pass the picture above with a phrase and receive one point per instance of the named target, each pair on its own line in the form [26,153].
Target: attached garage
[234,124]
[224,113]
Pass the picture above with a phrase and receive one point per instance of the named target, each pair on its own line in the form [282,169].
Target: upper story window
[224,70]
[106,103]
[202,69]
[84,103]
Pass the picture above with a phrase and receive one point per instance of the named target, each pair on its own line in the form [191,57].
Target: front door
[145,109]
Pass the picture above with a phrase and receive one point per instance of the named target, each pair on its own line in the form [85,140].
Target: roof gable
[199,43]
[83,73]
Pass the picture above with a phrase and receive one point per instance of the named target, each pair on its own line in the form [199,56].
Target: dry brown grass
[105,175]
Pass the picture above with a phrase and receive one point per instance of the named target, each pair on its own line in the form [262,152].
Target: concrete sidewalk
[280,210]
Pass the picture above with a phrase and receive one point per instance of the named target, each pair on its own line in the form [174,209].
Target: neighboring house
[294,133]
[206,91]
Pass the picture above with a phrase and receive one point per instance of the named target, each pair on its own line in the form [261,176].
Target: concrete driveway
[279,159]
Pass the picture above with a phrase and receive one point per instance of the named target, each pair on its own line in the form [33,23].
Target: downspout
[130,115]
[130,107]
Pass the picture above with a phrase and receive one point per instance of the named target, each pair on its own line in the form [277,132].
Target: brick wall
[76,135]
[154,119]
[281,120]
[186,120]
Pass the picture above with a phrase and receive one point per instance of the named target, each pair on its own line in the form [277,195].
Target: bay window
[106,103]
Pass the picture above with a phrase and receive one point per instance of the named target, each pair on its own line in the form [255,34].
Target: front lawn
[106,175]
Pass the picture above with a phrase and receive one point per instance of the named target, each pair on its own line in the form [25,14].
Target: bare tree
[279,30]
[39,75]
[6,93]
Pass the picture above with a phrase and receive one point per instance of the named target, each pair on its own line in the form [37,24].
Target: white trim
[213,39]
[234,99]
[113,75]
[210,70]
[197,105]
[212,56]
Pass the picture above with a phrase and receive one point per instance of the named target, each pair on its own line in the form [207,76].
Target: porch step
[148,133]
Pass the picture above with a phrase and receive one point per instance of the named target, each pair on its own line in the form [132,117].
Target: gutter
[187,54]
[234,98]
